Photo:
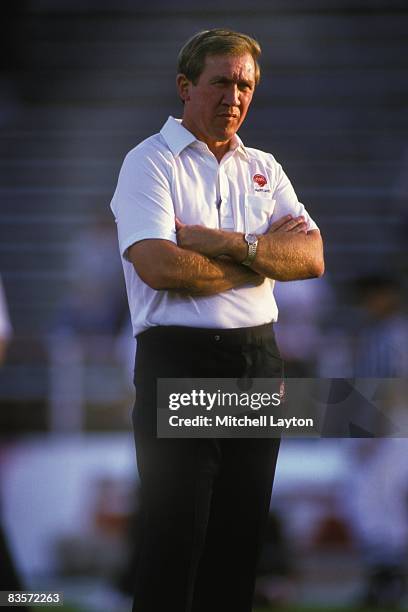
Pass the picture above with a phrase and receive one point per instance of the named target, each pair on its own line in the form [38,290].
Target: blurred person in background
[380,331]
[303,310]
[87,324]
[373,340]
[204,225]
[9,579]
[5,325]
[95,304]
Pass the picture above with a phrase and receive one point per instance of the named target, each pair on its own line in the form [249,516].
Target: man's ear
[183,87]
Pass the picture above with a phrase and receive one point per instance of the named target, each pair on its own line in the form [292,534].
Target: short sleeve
[142,202]
[287,201]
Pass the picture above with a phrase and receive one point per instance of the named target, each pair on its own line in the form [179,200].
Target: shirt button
[217,338]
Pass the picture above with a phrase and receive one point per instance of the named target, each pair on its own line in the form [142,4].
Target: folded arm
[165,266]
[285,252]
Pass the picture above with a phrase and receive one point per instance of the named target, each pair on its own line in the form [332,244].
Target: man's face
[216,106]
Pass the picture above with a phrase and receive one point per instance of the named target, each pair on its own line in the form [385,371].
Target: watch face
[251,238]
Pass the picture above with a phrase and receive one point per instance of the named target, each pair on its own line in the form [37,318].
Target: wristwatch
[252,242]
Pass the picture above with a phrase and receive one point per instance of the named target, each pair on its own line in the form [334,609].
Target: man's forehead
[236,66]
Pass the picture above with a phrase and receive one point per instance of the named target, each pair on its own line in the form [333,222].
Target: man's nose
[231,96]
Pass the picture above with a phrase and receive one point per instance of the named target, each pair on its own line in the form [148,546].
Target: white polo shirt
[173,174]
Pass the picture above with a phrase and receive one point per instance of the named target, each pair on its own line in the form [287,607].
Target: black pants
[204,502]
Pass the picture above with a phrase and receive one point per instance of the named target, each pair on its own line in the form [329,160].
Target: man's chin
[226,134]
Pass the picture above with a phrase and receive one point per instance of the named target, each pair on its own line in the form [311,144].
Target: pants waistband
[180,333]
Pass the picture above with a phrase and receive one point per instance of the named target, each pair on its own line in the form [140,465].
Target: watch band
[252,242]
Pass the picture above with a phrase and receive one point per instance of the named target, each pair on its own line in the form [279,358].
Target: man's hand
[295,225]
[204,240]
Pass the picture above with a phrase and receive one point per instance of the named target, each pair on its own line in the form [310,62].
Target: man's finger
[277,224]
[293,223]
[286,223]
[301,227]
[179,224]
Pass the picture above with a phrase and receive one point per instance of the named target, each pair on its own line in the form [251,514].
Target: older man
[205,225]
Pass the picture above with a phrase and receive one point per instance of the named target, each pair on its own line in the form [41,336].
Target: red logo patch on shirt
[260,179]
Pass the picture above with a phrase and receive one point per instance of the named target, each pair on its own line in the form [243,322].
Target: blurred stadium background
[80,84]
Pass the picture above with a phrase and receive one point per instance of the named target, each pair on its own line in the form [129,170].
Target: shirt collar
[176,136]
[238,145]
[179,138]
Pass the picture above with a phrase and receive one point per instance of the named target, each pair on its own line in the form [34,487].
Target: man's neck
[219,149]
